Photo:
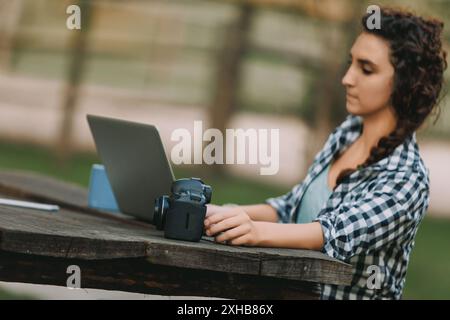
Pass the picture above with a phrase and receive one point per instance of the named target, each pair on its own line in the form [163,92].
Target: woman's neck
[376,126]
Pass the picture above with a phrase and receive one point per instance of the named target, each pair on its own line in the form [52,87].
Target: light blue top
[314,198]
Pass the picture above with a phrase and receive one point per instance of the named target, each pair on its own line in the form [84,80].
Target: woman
[368,189]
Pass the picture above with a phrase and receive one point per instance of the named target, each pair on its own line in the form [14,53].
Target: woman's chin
[352,108]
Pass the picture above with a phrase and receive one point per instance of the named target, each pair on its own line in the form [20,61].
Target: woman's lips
[349,96]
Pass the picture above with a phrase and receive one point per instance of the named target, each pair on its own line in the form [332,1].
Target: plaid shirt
[371,218]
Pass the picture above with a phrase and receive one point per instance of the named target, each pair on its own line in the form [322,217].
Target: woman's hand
[212,209]
[232,226]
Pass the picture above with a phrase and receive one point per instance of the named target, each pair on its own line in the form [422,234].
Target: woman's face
[369,78]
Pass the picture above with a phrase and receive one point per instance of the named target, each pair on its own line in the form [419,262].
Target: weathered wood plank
[29,184]
[73,235]
[137,275]
[63,235]
[36,187]
[79,233]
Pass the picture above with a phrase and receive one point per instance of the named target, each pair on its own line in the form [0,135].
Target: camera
[182,214]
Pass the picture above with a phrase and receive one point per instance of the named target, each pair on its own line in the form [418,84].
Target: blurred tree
[229,64]
[74,79]
[326,99]
[10,13]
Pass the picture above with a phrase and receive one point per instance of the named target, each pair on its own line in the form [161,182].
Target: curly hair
[419,62]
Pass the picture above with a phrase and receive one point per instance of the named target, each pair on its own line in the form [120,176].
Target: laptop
[135,162]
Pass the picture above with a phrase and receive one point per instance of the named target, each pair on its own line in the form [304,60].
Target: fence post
[229,68]
[73,81]
[10,13]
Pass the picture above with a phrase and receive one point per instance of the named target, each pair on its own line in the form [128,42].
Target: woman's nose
[348,79]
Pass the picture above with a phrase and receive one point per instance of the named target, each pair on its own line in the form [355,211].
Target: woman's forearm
[296,236]
[261,212]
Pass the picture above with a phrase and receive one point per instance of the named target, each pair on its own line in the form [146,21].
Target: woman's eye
[366,71]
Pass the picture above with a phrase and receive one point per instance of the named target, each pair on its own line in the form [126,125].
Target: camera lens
[161,207]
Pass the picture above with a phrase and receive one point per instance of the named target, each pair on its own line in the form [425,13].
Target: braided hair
[419,62]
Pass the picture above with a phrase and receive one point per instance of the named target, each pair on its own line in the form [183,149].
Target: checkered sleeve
[284,204]
[377,218]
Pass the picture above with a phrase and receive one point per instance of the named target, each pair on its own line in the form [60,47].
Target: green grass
[428,273]
[5,295]
[42,160]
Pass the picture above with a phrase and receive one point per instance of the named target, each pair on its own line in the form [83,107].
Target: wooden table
[119,253]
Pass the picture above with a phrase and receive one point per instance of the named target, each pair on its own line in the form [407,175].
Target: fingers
[232,227]
[242,240]
[224,225]
[217,217]
[212,209]
[234,233]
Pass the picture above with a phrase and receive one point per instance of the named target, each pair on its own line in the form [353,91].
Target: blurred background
[231,63]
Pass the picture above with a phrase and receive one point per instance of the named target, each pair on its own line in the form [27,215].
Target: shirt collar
[402,158]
